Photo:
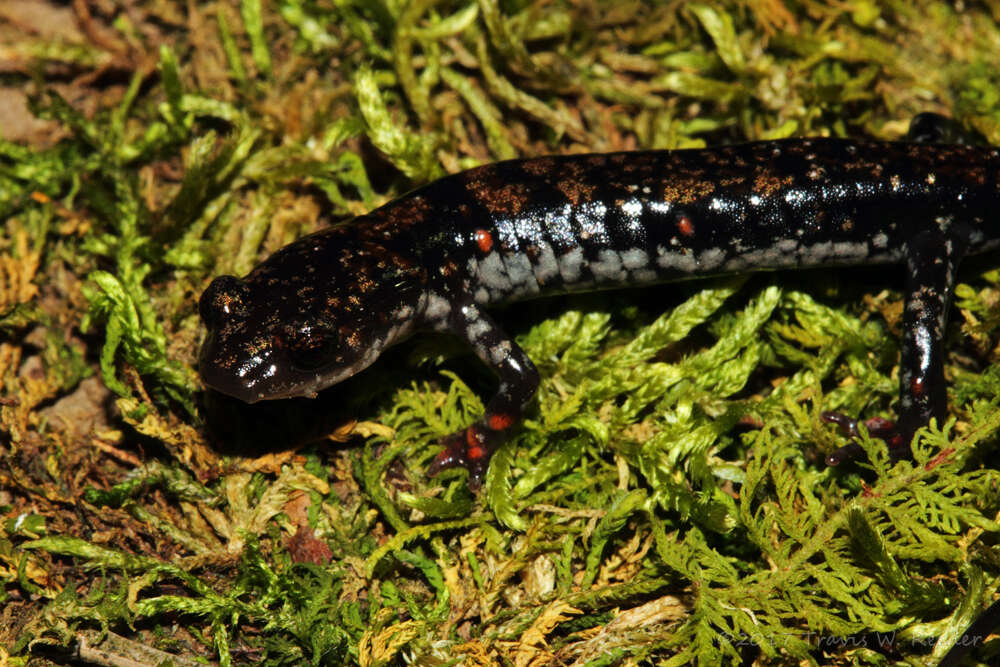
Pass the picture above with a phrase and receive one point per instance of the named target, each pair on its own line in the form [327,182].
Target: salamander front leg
[932,261]
[473,446]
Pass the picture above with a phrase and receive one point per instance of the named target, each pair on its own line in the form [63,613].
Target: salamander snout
[224,309]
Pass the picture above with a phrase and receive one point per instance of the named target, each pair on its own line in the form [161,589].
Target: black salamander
[323,308]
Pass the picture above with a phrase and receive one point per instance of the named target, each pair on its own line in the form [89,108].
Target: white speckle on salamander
[570,265]
[712,259]
[634,259]
[720,204]
[677,260]
[661,207]
[796,196]
[608,267]
[500,352]
[790,253]
[849,249]
[478,328]
[558,227]
[817,252]
[522,278]
[437,308]
[493,273]
[590,217]
[632,210]
[754,258]
[506,233]
[546,265]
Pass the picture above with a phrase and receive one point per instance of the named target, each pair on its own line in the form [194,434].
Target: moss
[665,501]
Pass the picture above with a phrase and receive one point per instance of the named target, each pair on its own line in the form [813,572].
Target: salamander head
[293,337]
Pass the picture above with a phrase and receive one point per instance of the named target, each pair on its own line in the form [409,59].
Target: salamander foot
[878,427]
[469,448]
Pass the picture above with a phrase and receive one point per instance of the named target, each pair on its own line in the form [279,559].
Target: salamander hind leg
[932,260]
[877,427]
[473,446]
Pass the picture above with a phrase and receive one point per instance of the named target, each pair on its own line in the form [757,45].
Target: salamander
[324,307]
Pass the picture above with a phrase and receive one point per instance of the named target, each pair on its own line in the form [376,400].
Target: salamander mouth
[270,376]
[223,380]
[227,372]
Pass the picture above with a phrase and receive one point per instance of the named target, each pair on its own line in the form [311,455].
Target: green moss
[665,501]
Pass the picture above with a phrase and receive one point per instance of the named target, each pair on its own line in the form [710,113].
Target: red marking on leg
[917,387]
[880,427]
[877,427]
[501,421]
[471,438]
[685,226]
[475,452]
[484,240]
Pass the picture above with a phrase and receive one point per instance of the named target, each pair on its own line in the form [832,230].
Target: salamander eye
[225,298]
[315,351]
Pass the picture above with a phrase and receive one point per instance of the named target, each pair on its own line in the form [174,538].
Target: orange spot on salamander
[500,422]
[484,240]
[473,448]
[917,387]
[685,226]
